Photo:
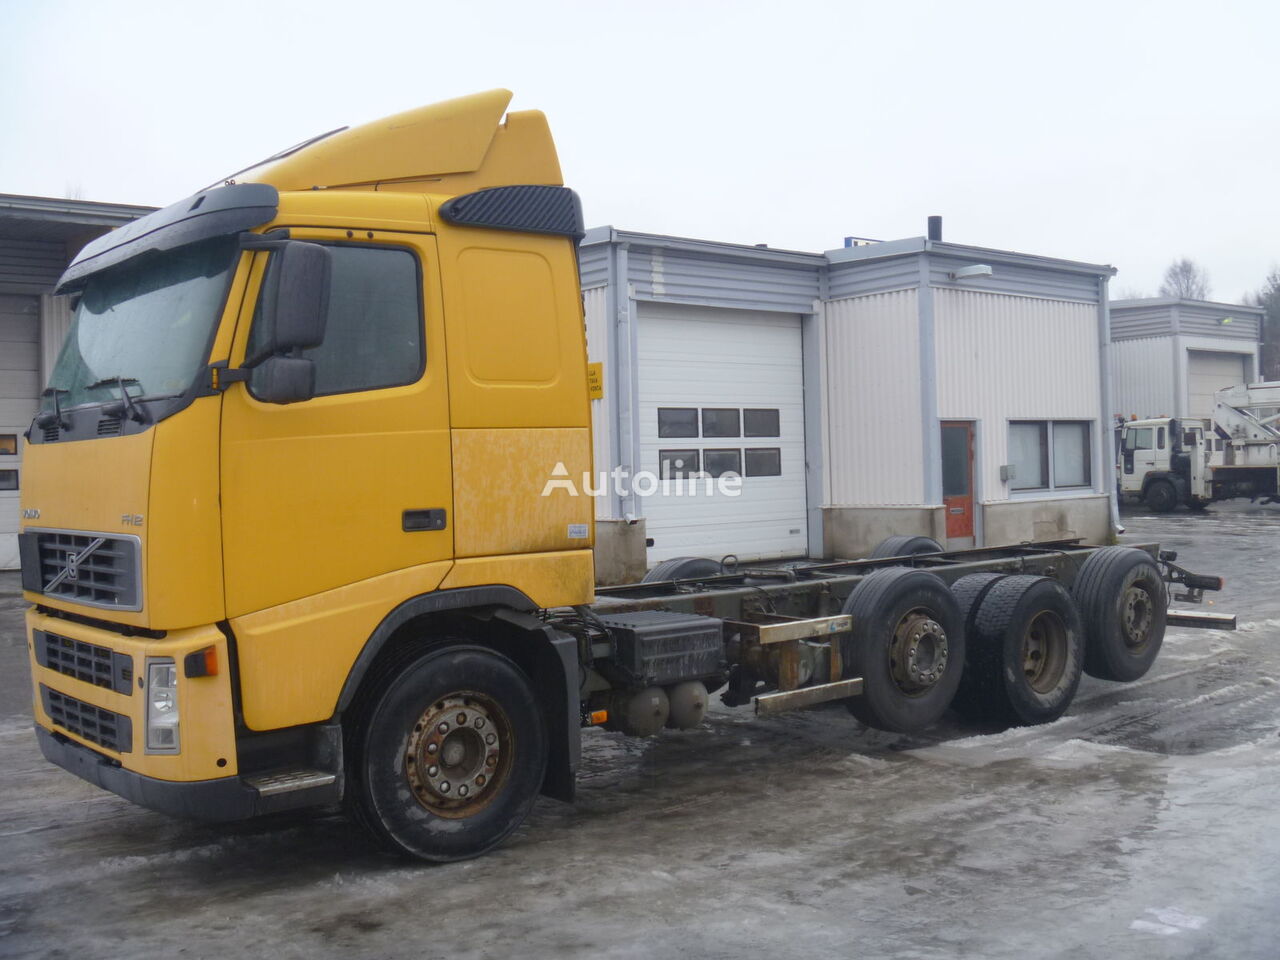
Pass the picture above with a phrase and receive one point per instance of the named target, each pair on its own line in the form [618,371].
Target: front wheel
[1124,607]
[1161,496]
[451,756]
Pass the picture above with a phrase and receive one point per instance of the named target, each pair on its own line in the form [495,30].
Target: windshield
[146,323]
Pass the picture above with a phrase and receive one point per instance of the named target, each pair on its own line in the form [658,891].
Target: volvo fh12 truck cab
[285,538]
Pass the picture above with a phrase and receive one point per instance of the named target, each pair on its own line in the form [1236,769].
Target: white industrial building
[1168,357]
[912,386]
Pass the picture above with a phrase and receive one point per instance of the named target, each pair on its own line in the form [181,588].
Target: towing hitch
[1195,585]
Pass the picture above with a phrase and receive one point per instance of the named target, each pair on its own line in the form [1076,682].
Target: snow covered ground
[1142,824]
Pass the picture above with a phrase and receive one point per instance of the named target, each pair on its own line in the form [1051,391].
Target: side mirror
[294,303]
[285,379]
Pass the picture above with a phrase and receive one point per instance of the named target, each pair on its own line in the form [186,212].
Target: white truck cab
[1164,462]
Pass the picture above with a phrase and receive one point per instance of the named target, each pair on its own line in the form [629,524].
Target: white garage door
[19,387]
[1209,371]
[722,390]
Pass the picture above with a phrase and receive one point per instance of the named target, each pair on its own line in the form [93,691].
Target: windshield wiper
[125,405]
[50,417]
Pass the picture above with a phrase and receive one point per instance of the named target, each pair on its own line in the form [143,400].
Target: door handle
[414,520]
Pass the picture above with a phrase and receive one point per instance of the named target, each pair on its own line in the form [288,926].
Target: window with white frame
[1050,454]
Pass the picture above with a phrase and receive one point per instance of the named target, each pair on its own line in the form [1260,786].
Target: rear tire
[1026,652]
[969,592]
[1123,605]
[1161,496]
[450,756]
[904,546]
[907,645]
[683,568]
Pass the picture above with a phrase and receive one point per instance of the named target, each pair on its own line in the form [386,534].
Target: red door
[957,477]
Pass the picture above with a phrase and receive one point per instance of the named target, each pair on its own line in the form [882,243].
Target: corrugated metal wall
[1004,358]
[1205,320]
[1142,377]
[874,455]
[682,277]
[1140,320]
[860,278]
[595,306]
[593,264]
[1015,280]
[30,266]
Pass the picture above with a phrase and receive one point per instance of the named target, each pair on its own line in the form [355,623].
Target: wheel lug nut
[461,718]
[444,787]
[490,760]
[432,770]
[479,724]
[432,748]
[480,780]
[462,790]
[491,739]
[443,728]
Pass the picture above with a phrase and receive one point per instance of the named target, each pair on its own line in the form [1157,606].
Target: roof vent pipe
[935,228]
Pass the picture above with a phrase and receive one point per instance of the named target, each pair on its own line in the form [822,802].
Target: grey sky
[1125,133]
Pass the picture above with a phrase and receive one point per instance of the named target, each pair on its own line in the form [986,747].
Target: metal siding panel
[1142,377]
[1202,320]
[874,455]
[1132,323]
[857,278]
[1004,358]
[19,389]
[700,357]
[593,265]
[31,262]
[1014,280]
[682,277]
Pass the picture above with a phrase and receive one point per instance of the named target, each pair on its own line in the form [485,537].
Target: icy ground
[1142,824]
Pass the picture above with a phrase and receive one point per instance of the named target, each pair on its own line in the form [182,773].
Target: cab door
[357,481]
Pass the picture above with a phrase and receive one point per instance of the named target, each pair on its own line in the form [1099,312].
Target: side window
[1160,439]
[374,332]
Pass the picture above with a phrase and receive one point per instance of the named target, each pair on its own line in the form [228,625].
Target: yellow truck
[287,539]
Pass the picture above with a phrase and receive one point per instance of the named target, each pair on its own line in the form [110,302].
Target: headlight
[162,706]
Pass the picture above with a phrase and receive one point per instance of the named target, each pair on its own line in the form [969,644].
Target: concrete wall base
[1014,521]
[620,552]
[852,532]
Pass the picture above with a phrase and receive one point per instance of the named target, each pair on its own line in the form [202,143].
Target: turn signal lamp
[202,663]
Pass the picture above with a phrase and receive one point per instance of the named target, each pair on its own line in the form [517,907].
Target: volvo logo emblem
[71,570]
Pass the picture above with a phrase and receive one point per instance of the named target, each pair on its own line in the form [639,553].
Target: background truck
[1166,462]
[287,539]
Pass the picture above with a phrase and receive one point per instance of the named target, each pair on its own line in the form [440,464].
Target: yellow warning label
[595,380]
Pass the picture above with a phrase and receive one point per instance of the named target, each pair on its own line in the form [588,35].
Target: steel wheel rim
[458,754]
[918,652]
[1044,651]
[1136,615]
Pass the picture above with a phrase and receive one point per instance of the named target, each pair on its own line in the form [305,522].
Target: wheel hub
[457,753]
[1136,612]
[918,654]
[1044,651]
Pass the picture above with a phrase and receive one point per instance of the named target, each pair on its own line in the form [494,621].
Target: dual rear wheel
[996,646]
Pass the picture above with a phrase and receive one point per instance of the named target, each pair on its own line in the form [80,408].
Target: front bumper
[226,798]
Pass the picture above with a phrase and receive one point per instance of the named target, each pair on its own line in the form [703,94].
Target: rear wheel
[1026,652]
[907,645]
[1161,496]
[1123,605]
[683,568]
[904,546]
[451,756]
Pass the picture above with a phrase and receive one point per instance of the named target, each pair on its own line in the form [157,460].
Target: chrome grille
[111,730]
[85,661]
[94,569]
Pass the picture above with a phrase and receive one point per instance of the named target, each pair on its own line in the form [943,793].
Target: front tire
[907,645]
[1161,496]
[451,755]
